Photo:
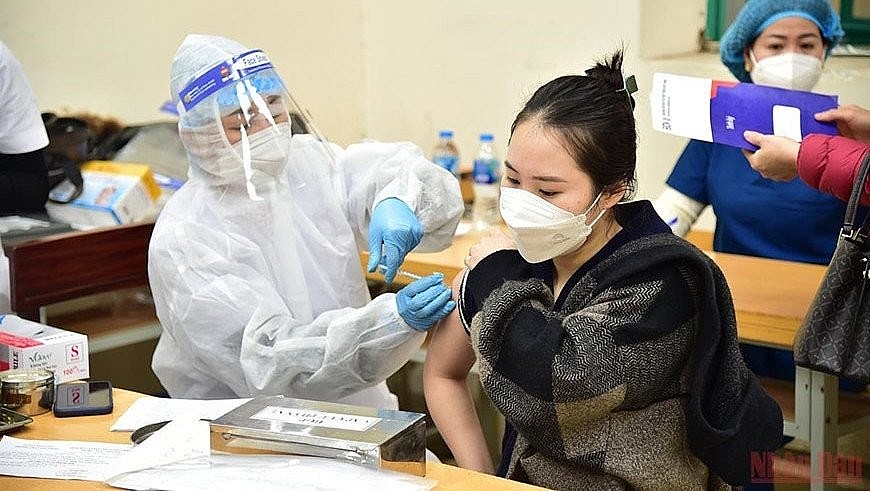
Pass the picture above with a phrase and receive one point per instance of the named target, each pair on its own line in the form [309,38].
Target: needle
[402,272]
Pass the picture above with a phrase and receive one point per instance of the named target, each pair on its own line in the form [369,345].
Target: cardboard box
[27,344]
[720,111]
[113,193]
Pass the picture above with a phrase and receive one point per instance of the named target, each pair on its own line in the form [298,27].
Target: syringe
[402,272]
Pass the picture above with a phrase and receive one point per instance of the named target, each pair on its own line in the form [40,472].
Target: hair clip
[630,87]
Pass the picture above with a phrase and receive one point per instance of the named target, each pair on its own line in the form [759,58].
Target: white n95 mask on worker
[267,153]
[787,71]
[541,229]
[266,150]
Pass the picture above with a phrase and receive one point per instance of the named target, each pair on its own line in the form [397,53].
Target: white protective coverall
[266,295]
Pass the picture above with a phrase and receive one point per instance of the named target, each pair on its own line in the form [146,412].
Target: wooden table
[771,298]
[96,429]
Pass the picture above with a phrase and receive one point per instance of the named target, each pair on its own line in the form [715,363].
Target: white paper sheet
[178,441]
[148,410]
[270,472]
[52,459]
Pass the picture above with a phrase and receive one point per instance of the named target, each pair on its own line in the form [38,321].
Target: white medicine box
[28,344]
[113,193]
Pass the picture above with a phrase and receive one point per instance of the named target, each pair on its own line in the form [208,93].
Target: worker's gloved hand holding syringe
[394,230]
[425,301]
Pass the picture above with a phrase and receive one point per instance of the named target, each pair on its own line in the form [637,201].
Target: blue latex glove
[394,230]
[424,302]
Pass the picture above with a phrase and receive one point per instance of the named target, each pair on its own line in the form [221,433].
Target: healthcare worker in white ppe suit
[254,263]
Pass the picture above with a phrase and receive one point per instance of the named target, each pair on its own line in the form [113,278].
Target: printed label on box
[313,417]
[74,352]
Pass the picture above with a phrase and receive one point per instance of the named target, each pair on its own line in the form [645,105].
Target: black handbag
[835,335]
[67,149]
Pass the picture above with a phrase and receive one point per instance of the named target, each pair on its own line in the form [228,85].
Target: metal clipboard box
[378,438]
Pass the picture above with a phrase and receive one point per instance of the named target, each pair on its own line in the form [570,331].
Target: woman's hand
[776,157]
[496,240]
[852,121]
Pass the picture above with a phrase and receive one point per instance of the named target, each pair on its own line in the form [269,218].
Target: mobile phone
[82,398]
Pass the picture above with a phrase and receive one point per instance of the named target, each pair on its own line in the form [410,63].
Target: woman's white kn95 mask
[794,71]
[541,229]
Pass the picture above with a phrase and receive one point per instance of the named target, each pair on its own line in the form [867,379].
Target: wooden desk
[771,297]
[61,267]
[94,282]
[96,429]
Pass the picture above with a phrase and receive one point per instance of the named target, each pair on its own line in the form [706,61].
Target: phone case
[73,399]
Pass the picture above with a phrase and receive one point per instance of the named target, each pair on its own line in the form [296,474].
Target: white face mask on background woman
[541,229]
[787,70]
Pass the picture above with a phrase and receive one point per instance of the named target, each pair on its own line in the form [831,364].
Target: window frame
[857,29]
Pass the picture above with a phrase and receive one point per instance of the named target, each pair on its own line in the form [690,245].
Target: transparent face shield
[238,118]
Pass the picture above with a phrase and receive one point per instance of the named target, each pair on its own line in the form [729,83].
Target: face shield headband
[222,75]
[231,71]
[256,115]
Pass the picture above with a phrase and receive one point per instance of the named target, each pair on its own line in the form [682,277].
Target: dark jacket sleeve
[729,416]
[830,164]
[23,182]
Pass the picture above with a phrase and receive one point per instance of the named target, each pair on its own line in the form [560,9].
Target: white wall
[470,66]
[112,56]
[385,69]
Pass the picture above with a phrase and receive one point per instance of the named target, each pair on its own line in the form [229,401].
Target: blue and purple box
[720,111]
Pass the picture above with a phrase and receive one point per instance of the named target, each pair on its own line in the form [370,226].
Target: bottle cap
[486,137]
[446,134]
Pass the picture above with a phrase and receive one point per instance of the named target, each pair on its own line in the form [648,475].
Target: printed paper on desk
[58,459]
[720,111]
[149,410]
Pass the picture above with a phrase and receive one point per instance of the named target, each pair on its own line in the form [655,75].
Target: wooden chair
[62,267]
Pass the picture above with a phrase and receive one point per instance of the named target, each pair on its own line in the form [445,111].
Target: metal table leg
[800,427]
[823,430]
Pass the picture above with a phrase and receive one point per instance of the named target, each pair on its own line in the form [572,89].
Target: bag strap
[849,232]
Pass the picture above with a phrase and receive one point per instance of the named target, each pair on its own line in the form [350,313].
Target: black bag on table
[835,335]
[68,140]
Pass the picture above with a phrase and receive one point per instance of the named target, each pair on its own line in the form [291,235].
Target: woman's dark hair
[593,115]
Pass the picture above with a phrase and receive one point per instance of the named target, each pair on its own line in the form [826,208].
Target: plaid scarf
[637,382]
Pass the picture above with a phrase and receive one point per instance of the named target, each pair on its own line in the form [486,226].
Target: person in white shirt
[23,174]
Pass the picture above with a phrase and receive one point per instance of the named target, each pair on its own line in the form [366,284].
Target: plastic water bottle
[486,179]
[446,153]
